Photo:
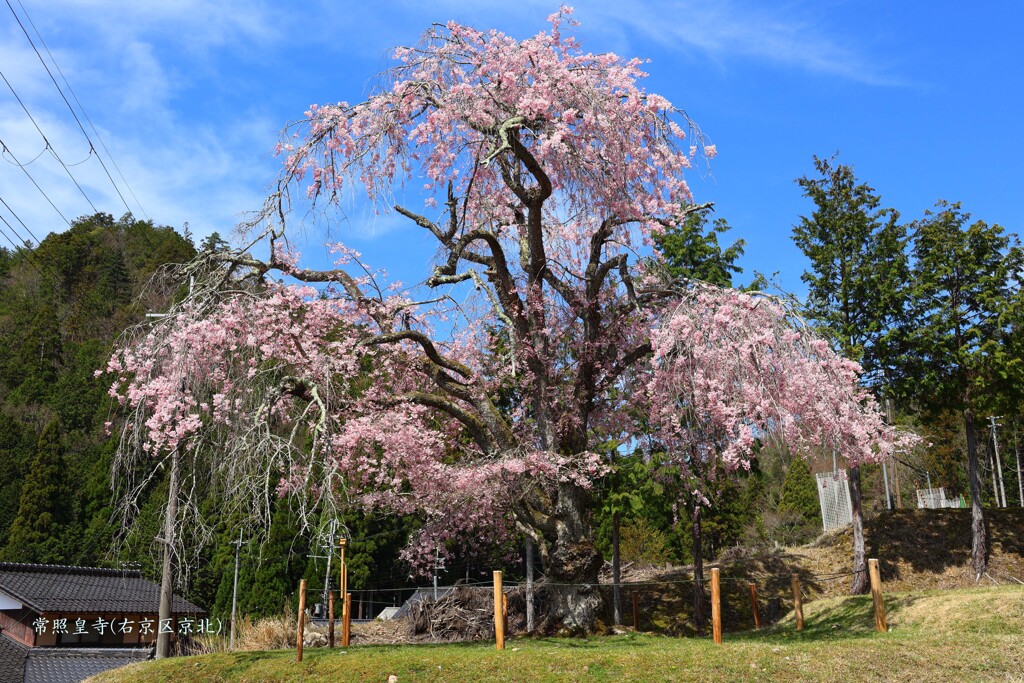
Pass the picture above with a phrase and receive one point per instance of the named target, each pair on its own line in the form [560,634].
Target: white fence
[934,499]
[834,497]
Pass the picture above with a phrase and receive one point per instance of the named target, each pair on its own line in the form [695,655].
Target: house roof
[70,665]
[12,660]
[55,588]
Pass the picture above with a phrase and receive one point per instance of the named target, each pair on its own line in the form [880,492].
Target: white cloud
[123,60]
[781,34]
[158,79]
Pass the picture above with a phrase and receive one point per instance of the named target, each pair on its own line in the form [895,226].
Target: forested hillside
[62,304]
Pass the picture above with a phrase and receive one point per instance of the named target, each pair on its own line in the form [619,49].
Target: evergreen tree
[966,277]
[856,286]
[60,309]
[800,492]
[214,242]
[691,249]
[38,529]
[272,571]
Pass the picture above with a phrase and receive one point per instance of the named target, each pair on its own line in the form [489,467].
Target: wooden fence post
[343,590]
[504,612]
[302,615]
[346,622]
[876,595]
[499,621]
[330,618]
[798,603]
[757,609]
[716,605]
[636,610]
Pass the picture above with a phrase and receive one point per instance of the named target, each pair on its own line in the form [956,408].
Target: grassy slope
[918,550]
[963,635]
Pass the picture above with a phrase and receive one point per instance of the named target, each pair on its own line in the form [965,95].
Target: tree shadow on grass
[846,618]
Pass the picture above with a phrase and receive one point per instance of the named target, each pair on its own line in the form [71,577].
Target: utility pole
[1016,451]
[999,464]
[325,542]
[438,566]
[885,470]
[234,591]
[529,585]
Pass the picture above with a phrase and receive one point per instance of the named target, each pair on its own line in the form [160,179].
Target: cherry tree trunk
[979,544]
[698,570]
[572,562]
[163,638]
[860,564]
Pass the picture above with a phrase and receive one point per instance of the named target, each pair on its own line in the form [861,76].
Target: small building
[60,623]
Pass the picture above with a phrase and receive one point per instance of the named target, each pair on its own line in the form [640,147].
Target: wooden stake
[798,603]
[753,602]
[343,589]
[346,622]
[504,612]
[716,605]
[636,610]
[302,614]
[499,622]
[876,595]
[330,619]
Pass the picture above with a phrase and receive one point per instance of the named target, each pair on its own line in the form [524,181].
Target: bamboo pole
[876,596]
[636,610]
[499,622]
[330,619]
[346,622]
[798,602]
[716,605]
[757,609]
[302,619]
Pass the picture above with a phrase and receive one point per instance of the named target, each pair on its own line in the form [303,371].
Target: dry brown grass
[268,633]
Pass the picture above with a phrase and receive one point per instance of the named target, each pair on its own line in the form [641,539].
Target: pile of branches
[467,614]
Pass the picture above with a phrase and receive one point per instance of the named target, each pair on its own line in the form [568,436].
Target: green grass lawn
[964,635]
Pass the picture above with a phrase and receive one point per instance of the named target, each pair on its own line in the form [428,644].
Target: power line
[29,256]
[92,147]
[84,112]
[18,218]
[49,147]
[7,150]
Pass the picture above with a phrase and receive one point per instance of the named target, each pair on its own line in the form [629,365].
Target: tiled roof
[71,665]
[12,660]
[55,588]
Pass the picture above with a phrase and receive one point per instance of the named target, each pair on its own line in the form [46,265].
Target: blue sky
[924,99]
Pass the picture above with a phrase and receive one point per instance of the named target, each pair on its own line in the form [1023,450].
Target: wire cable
[92,148]
[7,150]
[49,147]
[84,112]
[30,257]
